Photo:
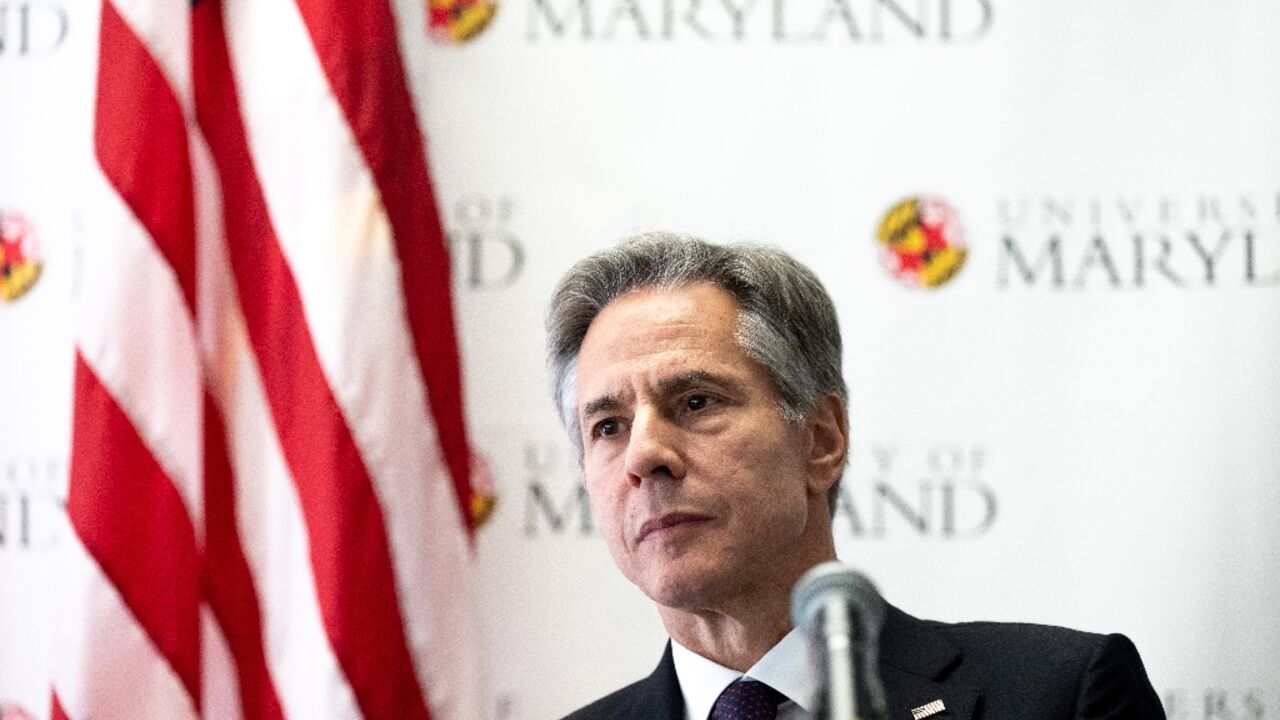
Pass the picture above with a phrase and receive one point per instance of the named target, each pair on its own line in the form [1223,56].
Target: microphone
[842,614]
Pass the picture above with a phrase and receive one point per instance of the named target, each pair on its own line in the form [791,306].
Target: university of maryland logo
[20,261]
[457,21]
[922,242]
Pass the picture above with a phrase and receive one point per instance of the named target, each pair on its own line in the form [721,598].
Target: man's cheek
[599,506]
[609,515]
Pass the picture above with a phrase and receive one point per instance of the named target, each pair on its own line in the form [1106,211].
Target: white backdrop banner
[1052,231]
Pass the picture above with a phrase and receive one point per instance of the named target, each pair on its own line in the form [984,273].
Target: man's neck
[734,641]
[738,633]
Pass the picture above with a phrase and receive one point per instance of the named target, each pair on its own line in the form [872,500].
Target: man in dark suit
[702,385]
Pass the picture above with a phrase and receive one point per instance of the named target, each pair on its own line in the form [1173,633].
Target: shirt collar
[786,668]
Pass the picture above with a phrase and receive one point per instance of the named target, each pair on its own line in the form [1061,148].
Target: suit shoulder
[1027,647]
[614,705]
[1088,672]
[1016,639]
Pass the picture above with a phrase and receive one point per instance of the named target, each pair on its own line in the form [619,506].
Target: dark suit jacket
[981,671]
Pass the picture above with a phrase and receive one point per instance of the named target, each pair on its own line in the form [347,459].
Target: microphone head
[811,593]
[842,614]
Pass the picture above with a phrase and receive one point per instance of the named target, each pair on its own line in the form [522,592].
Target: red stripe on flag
[55,707]
[350,556]
[132,521]
[140,138]
[228,583]
[354,41]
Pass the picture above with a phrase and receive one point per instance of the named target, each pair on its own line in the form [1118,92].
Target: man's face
[700,487]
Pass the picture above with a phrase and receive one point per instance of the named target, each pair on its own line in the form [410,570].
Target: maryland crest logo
[921,241]
[457,21]
[20,261]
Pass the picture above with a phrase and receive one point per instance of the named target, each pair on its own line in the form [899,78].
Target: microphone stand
[843,615]
[842,697]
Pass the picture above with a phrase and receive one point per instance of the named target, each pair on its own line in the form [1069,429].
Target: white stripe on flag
[135,331]
[221,691]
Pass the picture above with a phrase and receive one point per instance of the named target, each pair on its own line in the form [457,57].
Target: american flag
[270,502]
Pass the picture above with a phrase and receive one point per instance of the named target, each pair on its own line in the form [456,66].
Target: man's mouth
[667,524]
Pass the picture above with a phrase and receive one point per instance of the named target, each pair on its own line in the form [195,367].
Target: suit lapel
[658,696]
[915,660]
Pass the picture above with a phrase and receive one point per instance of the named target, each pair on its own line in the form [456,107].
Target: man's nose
[653,448]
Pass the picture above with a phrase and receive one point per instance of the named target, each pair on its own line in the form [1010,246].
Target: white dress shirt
[786,668]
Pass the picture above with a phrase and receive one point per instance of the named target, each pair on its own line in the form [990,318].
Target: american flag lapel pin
[927,710]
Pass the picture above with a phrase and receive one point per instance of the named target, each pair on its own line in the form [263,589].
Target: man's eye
[605,428]
[697,402]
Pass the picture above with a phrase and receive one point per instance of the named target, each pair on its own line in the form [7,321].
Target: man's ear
[827,433]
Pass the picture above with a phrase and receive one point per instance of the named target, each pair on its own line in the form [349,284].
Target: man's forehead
[650,322]
[655,306]
[657,339]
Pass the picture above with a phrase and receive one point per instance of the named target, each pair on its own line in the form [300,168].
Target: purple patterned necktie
[747,700]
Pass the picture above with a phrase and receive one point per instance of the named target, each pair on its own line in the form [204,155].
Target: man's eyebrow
[669,386]
[604,403]
[693,380]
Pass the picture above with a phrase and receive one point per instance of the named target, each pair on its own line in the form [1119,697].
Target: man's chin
[690,592]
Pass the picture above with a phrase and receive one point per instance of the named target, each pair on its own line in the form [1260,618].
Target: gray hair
[786,320]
